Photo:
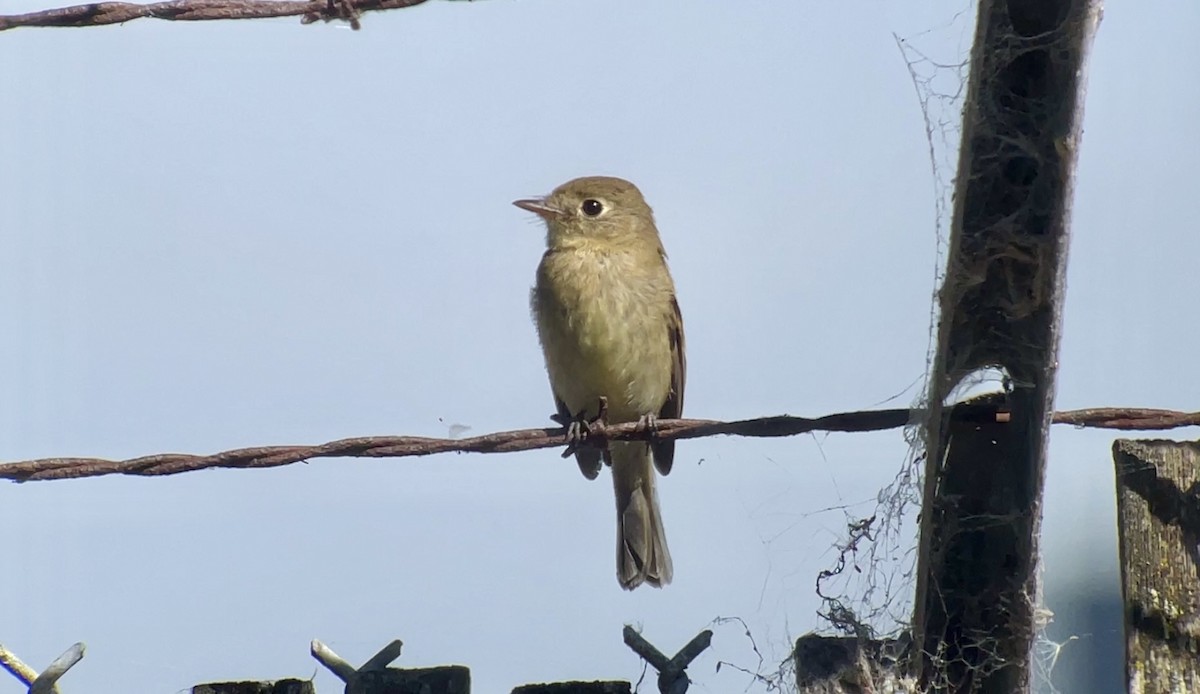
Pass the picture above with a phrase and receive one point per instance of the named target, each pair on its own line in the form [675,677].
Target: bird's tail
[642,555]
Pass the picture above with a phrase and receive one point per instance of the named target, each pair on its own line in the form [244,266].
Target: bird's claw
[580,429]
[648,424]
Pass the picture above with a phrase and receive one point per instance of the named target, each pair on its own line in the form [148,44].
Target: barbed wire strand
[530,439]
[101,13]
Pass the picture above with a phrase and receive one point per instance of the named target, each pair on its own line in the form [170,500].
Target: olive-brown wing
[664,451]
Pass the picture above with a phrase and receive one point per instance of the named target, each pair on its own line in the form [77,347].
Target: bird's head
[596,208]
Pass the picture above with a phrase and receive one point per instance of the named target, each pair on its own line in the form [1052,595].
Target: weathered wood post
[1001,305]
[288,686]
[1158,520]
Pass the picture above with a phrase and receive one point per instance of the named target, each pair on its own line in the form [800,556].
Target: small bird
[605,310]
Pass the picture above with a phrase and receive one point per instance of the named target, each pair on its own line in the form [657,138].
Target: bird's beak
[538,207]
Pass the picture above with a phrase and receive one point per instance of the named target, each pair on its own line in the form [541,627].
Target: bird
[611,333]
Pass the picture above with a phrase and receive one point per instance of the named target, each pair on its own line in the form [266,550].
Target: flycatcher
[604,305]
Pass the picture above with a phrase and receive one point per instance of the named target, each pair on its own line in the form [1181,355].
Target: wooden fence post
[1158,520]
[1001,304]
[611,687]
[288,686]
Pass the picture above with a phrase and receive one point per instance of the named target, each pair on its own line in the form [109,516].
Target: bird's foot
[582,431]
[648,425]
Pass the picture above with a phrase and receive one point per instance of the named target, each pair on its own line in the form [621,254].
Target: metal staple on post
[47,681]
[672,672]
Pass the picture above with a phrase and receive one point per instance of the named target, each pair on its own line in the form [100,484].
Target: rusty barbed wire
[101,13]
[1123,418]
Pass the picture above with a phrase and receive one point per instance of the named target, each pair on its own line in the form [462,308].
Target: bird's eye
[592,207]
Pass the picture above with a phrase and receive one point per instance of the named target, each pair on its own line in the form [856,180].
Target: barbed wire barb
[1123,418]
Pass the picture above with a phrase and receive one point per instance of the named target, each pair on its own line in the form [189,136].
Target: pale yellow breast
[602,316]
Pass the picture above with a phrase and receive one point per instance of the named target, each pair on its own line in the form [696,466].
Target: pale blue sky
[241,233]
